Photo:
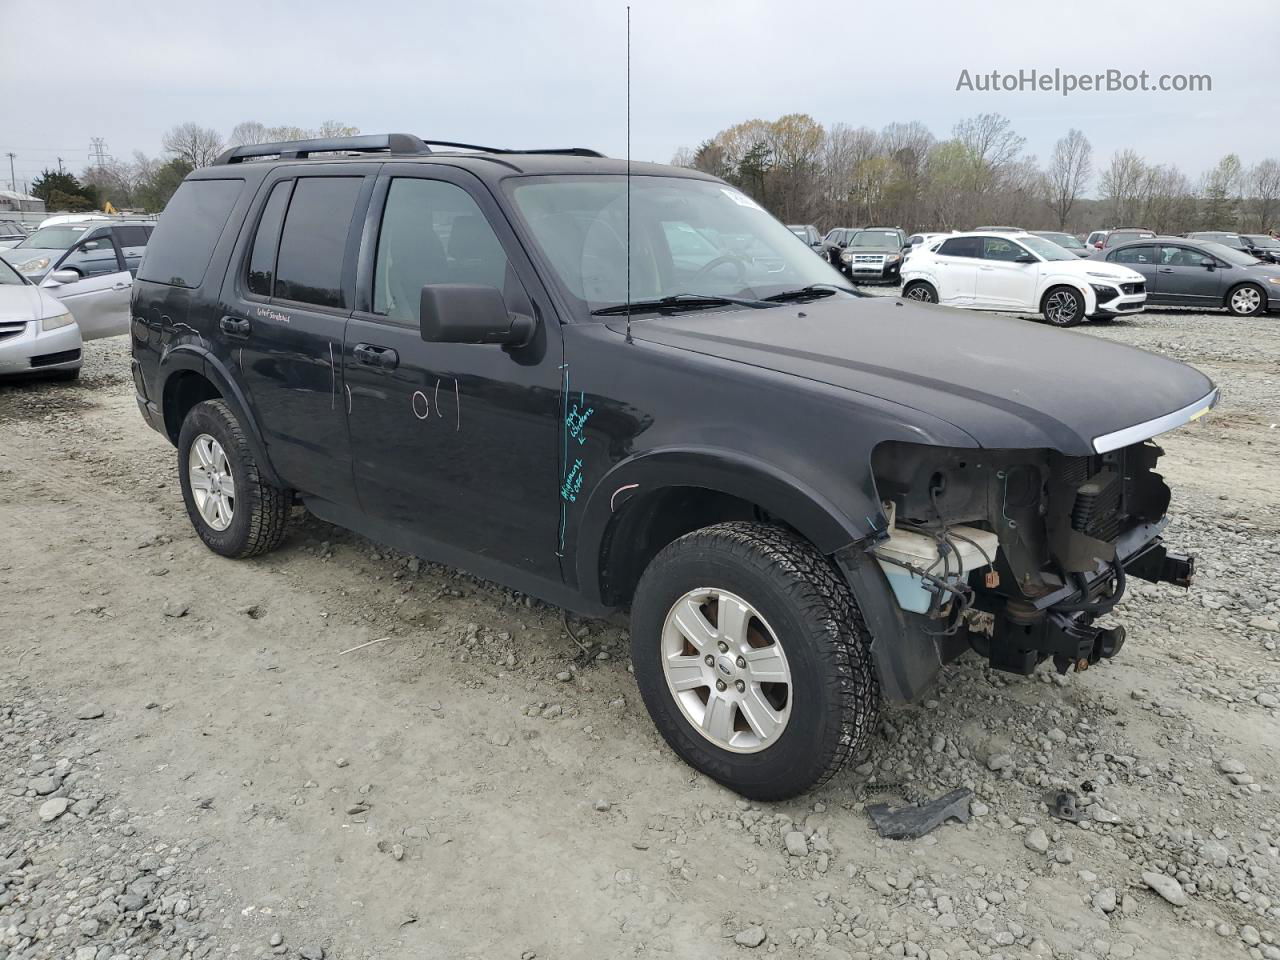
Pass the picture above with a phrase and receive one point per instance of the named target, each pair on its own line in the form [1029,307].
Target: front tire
[921,291]
[1247,300]
[235,512]
[753,659]
[1063,306]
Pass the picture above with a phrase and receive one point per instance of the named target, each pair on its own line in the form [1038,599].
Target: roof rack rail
[559,151]
[400,143]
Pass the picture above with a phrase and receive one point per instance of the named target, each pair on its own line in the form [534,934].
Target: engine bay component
[926,569]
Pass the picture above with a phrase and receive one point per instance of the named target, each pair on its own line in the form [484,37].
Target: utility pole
[13,180]
[60,170]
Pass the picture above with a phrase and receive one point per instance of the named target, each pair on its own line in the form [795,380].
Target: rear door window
[961,247]
[266,240]
[183,241]
[313,244]
[1134,255]
[998,248]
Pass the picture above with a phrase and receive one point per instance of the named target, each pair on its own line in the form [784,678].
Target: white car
[1021,273]
[37,332]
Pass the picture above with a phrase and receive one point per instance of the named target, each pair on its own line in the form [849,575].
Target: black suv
[809,500]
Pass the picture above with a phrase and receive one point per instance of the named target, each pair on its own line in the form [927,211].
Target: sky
[543,73]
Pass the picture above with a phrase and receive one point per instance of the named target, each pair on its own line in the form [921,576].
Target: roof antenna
[629,340]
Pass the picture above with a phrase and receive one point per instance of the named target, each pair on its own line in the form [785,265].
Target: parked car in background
[919,241]
[88,265]
[1181,271]
[874,255]
[11,233]
[1224,237]
[1068,241]
[809,234]
[1021,273]
[1125,234]
[1263,246]
[38,335]
[1096,239]
[834,242]
[999,230]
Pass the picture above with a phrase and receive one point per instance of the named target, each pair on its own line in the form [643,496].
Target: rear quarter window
[182,243]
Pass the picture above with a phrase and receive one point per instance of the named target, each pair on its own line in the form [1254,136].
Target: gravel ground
[191,766]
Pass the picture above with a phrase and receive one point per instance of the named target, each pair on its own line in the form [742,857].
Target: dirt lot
[191,766]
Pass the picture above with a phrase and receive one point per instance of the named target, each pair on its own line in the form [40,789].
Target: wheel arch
[648,501]
[190,374]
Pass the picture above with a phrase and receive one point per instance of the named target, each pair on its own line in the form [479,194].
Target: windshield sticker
[741,199]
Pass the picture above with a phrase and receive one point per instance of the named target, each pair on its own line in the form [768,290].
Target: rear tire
[1063,306]
[1247,300]
[793,638]
[252,519]
[921,291]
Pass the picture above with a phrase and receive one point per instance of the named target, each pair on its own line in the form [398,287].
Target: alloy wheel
[921,293]
[1246,300]
[212,485]
[1061,308]
[726,670]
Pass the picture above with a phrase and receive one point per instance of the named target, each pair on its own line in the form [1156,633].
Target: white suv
[1020,273]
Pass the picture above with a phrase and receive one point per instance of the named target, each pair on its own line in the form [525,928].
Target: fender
[195,356]
[824,524]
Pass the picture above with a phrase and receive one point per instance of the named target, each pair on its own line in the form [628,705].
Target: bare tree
[1070,168]
[197,145]
[248,133]
[1121,187]
[1220,194]
[1263,201]
[990,145]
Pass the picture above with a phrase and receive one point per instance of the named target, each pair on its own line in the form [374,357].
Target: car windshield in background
[1064,240]
[687,237]
[876,239]
[59,237]
[1047,249]
[1263,242]
[10,276]
[1229,254]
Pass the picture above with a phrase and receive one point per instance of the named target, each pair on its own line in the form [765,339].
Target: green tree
[154,191]
[62,191]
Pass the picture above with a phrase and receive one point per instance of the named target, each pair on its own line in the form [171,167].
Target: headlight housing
[1273,279]
[53,323]
[33,266]
[847,257]
[893,258]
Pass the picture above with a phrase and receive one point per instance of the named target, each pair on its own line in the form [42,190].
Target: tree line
[903,175]
[146,183]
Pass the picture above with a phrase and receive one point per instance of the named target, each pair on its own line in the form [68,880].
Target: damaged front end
[1017,554]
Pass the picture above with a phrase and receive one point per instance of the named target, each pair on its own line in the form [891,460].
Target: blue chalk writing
[572,482]
[576,420]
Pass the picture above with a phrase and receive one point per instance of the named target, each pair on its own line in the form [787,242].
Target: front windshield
[1047,249]
[1265,243]
[876,239]
[1229,254]
[10,276]
[1065,240]
[58,237]
[687,237]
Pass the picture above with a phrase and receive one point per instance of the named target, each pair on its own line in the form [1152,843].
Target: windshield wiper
[812,292]
[679,301]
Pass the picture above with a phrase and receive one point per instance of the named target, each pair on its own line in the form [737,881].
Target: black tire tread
[269,506]
[819,591]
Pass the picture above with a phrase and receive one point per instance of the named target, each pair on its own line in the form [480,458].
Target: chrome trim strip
[1145,431]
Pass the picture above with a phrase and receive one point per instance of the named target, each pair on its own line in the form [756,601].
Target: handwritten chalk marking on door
[426,405]
[348,387]
[629,486]
[438,413]
[333,379]
[457,402]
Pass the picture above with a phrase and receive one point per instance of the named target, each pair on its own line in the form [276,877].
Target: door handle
[1166,269]
[120,286]
[234,326]
[375,356]
[986,268]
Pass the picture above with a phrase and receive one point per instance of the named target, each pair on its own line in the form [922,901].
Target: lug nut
[741,686]
[724,647]
[710,660]
[742,663]
[720,685]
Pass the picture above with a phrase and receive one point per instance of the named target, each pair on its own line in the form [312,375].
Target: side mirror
[1207,263]
[470,313]
[63,276]
[1025,258]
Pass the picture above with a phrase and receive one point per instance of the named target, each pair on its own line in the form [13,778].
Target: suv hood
[1008,383]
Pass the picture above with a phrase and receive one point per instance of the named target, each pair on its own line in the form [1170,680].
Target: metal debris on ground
[911,823]
[1064,805]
